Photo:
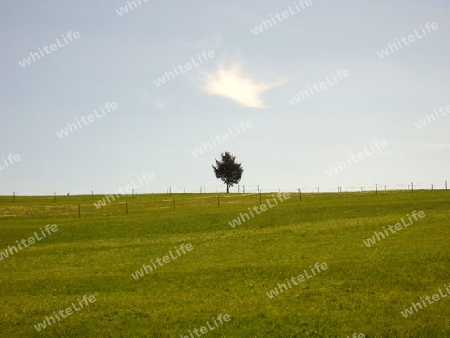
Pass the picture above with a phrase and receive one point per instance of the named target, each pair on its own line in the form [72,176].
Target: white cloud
[233,84]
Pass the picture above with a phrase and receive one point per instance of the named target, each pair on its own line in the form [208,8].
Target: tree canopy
[228,170]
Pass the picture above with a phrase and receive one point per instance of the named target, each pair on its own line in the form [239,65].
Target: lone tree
[228,170]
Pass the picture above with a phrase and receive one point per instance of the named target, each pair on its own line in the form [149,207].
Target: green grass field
[229,270]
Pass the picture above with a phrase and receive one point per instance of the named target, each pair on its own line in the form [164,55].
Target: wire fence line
[17,206]
[257,188]
[84,206]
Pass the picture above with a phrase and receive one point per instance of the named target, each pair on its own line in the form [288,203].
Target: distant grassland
[229,271]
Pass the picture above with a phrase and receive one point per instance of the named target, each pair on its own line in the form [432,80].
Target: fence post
[300,194]
[445,185]
[54,197]
[412,187]
[376,189]
[14,196]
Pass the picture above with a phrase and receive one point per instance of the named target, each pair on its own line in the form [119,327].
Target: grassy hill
[228,270]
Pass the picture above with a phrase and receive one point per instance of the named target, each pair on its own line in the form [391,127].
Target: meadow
[229,270]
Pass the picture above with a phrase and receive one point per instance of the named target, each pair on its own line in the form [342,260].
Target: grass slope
[229,270]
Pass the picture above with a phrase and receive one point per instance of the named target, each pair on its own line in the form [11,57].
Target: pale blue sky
[251,78]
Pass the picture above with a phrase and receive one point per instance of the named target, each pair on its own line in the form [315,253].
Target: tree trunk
[228,189]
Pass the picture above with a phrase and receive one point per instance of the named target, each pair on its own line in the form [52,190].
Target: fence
[84,205]
[257,188]
[16,206]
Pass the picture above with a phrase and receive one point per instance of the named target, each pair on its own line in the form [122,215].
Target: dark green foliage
[228,170]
